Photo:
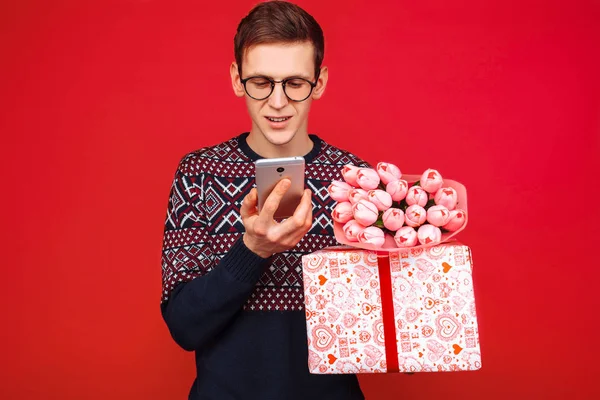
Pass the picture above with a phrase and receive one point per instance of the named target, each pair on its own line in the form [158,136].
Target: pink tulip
[367,178]
[381,199]
[342,212]
[406,237]
[388,172]
[416,195]
[446,197]
[428,234]
[415,215]
[352,229]
[438,215]
[455,221]
[339,190]
[372,235]
[356,194]
[349,173]
[365,212]
[393,219]
[431,181]
[397,189]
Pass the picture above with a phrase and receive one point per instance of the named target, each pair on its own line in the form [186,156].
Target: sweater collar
[252,155]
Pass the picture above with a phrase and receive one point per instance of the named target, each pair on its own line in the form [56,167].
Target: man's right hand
[265,236]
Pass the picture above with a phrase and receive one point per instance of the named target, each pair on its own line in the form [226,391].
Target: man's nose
[278,98]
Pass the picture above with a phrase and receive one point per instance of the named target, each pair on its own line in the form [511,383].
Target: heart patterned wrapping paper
[400,311]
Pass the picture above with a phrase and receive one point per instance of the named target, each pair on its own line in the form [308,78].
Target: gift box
[411,310]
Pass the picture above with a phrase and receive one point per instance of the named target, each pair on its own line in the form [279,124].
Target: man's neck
[300,145]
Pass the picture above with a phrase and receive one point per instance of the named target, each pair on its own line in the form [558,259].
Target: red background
[100,100]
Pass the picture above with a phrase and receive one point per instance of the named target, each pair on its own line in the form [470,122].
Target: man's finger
[272,202]
[304,209]
[302,214]
[249,204]
[309,216]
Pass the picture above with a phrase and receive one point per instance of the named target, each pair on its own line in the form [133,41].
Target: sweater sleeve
[200,298]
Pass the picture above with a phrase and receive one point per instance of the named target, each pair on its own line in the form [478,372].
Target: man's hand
[265,236]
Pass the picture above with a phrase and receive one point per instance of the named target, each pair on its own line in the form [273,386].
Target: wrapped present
[410,310]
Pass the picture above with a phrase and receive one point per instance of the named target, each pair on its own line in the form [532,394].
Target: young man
[232,277]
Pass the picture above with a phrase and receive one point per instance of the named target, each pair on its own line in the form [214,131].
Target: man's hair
[278,22]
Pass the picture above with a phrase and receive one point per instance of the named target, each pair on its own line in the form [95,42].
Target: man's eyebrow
[304,76]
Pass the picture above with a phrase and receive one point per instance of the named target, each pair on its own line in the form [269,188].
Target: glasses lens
[297,89]
[258,88]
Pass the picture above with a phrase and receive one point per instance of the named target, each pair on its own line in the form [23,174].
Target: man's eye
[295,84]
[260,83]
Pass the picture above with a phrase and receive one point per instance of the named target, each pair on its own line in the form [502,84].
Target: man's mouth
[279,119]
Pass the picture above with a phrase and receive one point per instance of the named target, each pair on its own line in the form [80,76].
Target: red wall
[100,100]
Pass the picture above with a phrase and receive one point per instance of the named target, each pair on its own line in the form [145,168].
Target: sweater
[243,315]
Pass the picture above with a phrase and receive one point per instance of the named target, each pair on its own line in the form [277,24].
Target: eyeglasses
[261,87]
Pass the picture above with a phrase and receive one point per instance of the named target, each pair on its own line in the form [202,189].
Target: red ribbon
[387,312]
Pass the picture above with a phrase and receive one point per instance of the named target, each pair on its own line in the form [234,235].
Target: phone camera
[280,169]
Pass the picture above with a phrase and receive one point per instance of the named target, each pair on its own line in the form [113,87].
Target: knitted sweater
[242,314]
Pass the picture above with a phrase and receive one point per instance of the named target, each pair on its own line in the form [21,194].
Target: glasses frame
[283,82]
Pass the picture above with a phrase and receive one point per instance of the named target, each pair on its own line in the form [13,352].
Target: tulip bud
[356,194]
[342,212]
[397,189]
[339,190]
[415,215]
[352,229]
[393,219]
[455,221]
[365,212]
[372,235]
[416,195]
[428,234]
[367,178]
[406,237]
[388,172]
[431,181]
[381,199]
[438,215]
[446,197]
[349,173]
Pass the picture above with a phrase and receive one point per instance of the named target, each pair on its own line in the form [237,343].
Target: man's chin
[279,138]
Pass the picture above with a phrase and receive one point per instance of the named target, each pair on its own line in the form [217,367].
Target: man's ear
[321,84]
[238,88]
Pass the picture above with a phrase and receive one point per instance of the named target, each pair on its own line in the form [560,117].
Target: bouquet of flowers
[377,208]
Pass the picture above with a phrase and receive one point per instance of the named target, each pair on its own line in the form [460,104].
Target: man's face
[278,62]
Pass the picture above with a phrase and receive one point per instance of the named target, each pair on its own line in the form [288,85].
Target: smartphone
[269,171]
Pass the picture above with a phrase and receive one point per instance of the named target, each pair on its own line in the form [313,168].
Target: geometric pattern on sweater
[203,219]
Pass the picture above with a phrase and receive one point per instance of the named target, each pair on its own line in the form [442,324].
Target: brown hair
[278,22]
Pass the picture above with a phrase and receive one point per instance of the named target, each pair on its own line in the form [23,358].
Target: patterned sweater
[243,314]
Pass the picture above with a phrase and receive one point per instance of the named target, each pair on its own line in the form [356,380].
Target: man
[232,277]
